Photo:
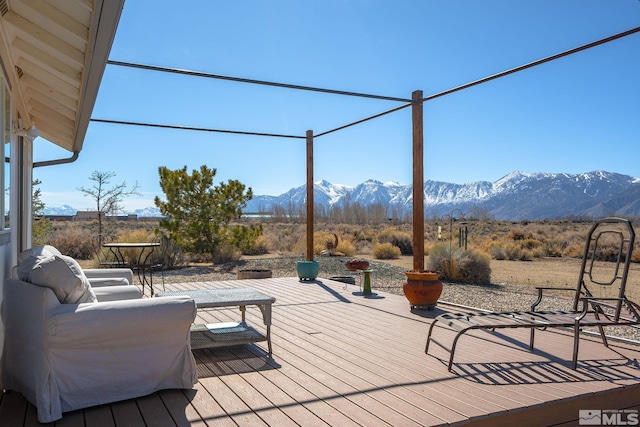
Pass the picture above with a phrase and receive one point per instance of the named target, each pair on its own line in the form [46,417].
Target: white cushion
[100,282]
[63,275]
[116,293]
[29,258]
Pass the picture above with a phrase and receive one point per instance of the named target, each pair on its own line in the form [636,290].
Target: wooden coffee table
[228,333]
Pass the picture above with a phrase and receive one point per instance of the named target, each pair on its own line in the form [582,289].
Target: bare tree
[107,198]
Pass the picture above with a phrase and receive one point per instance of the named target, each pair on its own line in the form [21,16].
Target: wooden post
[418,180]
[310,202]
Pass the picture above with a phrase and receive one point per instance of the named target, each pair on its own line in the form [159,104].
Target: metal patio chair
[105,258]
[609,246]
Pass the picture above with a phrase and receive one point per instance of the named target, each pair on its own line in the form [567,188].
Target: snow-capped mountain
[147,212]
[67,210]
[64,210]
[516,196]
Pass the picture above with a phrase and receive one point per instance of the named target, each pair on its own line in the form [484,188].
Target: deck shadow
[217,362]
[549,372]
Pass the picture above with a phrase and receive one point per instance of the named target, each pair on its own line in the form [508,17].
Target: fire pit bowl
[357,264]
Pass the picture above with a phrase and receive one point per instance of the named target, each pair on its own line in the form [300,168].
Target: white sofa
[64,357]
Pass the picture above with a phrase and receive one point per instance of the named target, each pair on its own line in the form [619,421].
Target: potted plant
[422,288]
[308,270]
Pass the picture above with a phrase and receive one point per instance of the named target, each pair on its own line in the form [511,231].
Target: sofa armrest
[134,321]
[116,293]
[121,349]
[108,273]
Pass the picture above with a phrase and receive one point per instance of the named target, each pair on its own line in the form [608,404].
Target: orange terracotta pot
[422,288]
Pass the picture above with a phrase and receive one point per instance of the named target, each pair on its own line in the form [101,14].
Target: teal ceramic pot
[308,270]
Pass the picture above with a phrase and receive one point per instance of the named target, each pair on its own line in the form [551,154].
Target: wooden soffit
[54,53]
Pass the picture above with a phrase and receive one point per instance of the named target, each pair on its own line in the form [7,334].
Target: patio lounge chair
[72,342]
[611,239]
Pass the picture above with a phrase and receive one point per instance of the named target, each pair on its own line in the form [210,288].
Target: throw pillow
[63,275]
[30,258]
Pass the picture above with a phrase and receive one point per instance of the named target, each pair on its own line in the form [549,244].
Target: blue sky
[577,114]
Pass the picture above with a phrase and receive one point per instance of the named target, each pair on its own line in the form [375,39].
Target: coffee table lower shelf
[223,335]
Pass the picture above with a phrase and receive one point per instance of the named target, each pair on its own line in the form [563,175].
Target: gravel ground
[388,278]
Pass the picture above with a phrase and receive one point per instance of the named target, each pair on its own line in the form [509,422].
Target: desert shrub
[486,245]
[259,247]
[401,239]
[467,266]
[519,234]
[635,255]
[300,247]
[427,248]
[574,250]
[283,237]
[553,247]
[530,244]
[497,252]
[537,252]
[386,251]
[450,269]
[364,234]
[363,247]
[515,253]
[197,258]
[346,248]
[170,255]
[474,267]
[225,253]
[76,243]
[436,256]
[324,243]
[135,236]
[607,251]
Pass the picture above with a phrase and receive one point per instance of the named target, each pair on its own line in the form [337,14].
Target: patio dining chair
[159,258]
[104,256]
[605,267]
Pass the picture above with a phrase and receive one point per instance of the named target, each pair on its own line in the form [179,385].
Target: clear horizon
[573,115]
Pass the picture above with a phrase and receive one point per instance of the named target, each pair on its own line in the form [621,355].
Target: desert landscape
[528,243]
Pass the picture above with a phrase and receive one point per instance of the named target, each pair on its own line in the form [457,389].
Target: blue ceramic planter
[308,270]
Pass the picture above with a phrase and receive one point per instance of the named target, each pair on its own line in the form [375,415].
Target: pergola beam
[310,201]
[418,180]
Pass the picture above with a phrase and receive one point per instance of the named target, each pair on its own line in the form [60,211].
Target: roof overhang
[54,53]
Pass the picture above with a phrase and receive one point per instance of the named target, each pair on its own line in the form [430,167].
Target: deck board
[341,359]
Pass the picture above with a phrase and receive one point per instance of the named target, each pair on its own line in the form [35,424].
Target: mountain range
[516,196]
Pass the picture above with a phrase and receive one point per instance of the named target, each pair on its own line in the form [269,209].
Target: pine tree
[198,215]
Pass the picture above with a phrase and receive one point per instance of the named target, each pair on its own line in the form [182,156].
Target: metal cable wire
[534,63]
[252,81]
[120,122]
[366,119]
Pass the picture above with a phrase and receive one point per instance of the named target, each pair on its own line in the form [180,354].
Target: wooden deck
[340,359]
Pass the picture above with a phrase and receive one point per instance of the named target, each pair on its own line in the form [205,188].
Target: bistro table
[141,264]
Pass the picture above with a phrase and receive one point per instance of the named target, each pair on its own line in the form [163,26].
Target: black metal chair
[157,260]
[105,257]
[609,244]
